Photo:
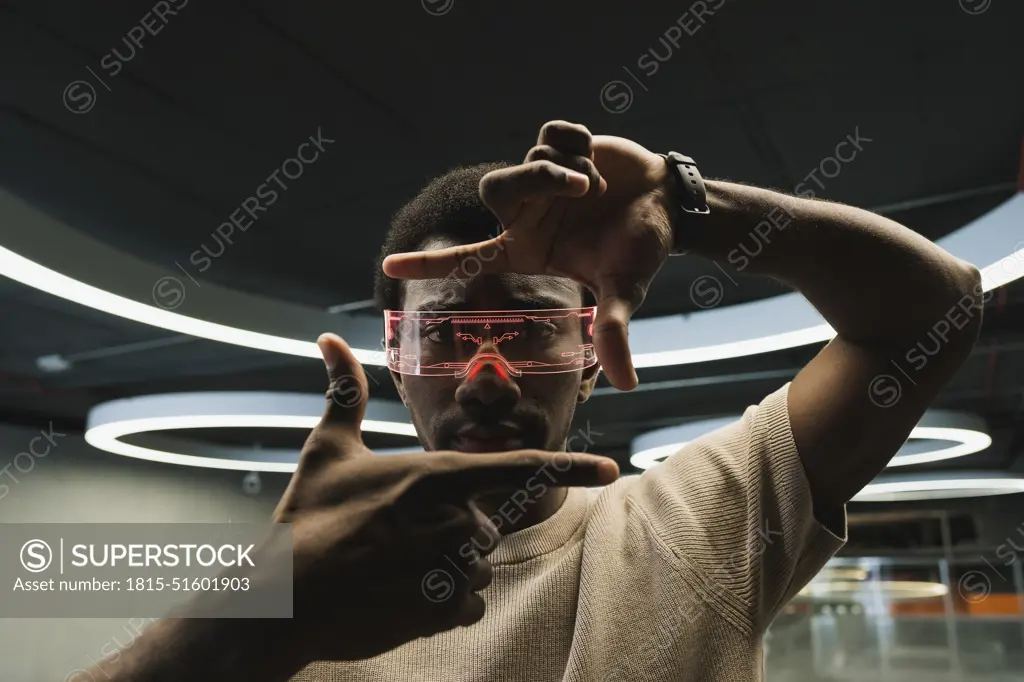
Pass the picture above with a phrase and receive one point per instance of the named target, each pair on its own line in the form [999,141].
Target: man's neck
[513,510]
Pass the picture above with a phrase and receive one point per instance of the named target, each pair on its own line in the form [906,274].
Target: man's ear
[587,383]
[397,378]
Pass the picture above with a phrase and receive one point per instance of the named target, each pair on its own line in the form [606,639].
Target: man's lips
[464,444]
[500,438]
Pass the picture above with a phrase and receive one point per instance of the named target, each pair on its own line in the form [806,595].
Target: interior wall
[71,482]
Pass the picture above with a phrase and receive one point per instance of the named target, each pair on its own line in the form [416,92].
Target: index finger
[470,475]
[460,262]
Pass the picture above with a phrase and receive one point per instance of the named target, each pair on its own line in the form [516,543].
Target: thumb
[348,388]
[611,339]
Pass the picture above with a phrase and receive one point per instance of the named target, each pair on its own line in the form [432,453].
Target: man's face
[485,412]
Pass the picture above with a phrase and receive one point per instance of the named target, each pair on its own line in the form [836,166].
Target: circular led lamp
[940,486]
[108,423]
[43,253]
[966,433]
[868,591]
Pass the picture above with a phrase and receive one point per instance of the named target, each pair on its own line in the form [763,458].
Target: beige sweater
[671,575]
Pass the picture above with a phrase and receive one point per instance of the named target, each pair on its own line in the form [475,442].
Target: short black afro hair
[448,206]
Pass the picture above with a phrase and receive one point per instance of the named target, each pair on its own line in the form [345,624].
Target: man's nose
[488,393]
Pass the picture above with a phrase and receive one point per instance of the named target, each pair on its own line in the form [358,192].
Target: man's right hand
[370,537]
[373,533]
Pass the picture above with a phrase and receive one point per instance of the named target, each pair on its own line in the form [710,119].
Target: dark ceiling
[212,104]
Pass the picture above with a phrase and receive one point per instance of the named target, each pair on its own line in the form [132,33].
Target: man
[674,574]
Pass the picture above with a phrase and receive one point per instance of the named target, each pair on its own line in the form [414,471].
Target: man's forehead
[489,291]
[492,292]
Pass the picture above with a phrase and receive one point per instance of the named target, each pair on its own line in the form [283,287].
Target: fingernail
[609,470]
[578,180]
[327,351]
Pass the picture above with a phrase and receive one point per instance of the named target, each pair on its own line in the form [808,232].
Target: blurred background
[190,192]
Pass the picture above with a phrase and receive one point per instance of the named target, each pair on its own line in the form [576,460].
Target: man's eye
[437,333]
[543,330]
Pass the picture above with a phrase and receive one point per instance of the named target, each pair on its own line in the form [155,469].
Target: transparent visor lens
[513,341]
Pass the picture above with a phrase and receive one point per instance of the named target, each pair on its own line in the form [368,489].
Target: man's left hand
[592,208]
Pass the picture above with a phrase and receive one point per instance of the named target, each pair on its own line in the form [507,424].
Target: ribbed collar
[546,536]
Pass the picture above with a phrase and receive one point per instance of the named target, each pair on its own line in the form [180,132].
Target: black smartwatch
[688,192]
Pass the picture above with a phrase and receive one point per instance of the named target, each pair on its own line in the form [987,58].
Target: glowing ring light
[940,486]
[108,422]
[649,449]
[889,590]
[967,431]
[843,573]
[787,321]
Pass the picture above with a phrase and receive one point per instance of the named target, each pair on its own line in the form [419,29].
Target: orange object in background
[995,604]
[992,605]
[922,607]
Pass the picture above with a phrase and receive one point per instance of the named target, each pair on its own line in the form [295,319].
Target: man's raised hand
[592,208]
[368,530]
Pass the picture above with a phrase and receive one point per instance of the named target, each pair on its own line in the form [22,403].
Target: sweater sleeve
[734,507]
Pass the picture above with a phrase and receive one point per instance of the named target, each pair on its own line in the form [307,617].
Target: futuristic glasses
[513,342]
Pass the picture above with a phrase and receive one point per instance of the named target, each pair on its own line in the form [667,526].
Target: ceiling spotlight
[52,364]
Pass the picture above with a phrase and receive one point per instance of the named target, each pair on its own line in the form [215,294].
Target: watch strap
[689,193]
